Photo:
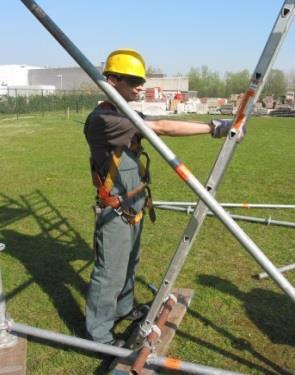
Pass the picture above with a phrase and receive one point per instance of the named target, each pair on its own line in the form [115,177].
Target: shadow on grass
[47,255]
[241,344]
[48,262]
[272,313]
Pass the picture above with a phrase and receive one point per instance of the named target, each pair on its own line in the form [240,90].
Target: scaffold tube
[267,221]
[229,205]
[159,361]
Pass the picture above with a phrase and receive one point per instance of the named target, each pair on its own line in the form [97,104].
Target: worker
[179,96]
[122,180]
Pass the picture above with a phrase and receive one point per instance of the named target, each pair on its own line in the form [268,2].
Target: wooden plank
[184,297]
[13,360]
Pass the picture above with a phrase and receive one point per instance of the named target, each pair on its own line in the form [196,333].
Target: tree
[290,77]
[151,70]
[205,82]
[276,84]
[235,83]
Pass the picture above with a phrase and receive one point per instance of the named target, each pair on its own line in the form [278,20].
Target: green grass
[234,322]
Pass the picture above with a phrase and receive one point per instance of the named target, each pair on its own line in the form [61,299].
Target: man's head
[125,70]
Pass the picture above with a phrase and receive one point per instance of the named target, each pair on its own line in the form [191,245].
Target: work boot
[137,313]
[116,342]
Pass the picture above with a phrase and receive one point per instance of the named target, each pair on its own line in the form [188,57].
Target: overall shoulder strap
[113,170]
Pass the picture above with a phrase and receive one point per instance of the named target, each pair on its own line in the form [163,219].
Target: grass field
[235,322]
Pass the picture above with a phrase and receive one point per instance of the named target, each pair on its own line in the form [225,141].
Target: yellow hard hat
[125,61]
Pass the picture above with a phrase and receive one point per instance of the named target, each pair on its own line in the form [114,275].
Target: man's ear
[112,80]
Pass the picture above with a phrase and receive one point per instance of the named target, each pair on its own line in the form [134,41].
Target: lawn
[234,322]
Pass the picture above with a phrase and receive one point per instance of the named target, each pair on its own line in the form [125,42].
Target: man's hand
[220,128]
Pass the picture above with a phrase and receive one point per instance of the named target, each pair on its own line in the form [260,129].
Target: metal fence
[21,101]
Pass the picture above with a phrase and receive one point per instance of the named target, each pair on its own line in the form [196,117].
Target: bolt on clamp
[119,211]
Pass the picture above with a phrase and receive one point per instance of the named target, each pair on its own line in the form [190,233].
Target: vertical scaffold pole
[6,339]
[2,302]
[183,172]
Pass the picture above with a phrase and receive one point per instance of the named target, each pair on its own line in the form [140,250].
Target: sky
[173,36]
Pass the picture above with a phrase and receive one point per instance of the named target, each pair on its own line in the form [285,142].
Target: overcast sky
[225,35]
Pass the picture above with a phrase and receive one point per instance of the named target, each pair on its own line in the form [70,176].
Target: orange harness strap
[115,201]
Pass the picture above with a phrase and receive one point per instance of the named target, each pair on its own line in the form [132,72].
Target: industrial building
[27,77]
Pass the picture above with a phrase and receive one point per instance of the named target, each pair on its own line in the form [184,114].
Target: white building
[72,78]
[15,75]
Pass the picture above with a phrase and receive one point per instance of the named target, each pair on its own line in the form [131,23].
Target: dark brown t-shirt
[105,129]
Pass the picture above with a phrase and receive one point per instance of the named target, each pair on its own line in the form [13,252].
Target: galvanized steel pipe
[165,362]
[267,221]
[289,267]
[2,302]
[229,205]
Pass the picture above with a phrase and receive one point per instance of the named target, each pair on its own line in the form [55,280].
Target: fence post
[16,104]
[42,103]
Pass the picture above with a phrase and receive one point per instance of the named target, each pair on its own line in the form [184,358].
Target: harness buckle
[119,211]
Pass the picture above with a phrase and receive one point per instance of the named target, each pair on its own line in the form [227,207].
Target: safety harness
[121,204]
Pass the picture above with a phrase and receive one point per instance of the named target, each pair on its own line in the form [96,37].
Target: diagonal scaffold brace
[206,194]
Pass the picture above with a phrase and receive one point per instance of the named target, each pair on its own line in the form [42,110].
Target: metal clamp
[171,296]
[157,330]
[7,339]
[146,329]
